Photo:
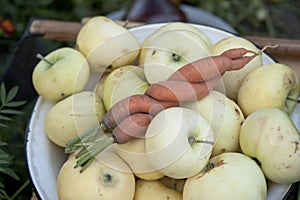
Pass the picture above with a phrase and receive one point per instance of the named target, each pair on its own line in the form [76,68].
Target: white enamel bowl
[44,159]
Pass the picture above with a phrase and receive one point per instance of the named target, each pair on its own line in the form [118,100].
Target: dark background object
[19,71]
[153,11]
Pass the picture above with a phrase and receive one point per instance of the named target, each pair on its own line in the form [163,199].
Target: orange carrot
[213,67]
[180,91]
[130,117]
[131,127]
[134,104]
[181,86]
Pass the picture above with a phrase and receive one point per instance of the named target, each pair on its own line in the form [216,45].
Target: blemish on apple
[175,57]
[237,111]
[278,129]
[296,146]
[108,179]
[153,52]
[211,166]
[62,95]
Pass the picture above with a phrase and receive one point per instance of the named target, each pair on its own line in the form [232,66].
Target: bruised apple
[227,176]
[270,136]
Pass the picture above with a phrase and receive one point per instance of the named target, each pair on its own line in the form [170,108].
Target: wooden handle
[286,47]
[67,31]
[64,30]
[55,30]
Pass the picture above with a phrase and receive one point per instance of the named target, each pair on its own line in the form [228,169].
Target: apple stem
[294,100]
[125,23]
[175,56]
[193,140]
[39,56]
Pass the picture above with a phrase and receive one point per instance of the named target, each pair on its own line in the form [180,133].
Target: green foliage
[8,109]
[7,103]
[255,17]
[6,161]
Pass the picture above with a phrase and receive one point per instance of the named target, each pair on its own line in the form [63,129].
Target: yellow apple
[123,82]
[169,51]
[179,142]
[134,154]
[230,82]
[108,177]
[179,26]
[154,190]
[270,136]
[224,116]
[106,43]
[175,184]
[227,176]
[72,116]
[60,74]
[271,86]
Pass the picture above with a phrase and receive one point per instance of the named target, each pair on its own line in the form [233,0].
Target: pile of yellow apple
[228,145]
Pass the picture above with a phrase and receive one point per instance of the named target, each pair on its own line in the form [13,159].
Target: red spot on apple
[237,112]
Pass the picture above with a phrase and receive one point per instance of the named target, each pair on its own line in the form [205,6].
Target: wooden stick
[56,30]
[64,30]
[286,47]
[67,31]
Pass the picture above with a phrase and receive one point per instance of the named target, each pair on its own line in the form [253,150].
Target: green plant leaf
[3,125]
[8,171]
[3,143]
[2,93]
[3,194]
[15,103]
[11,111]
[2,117]
[12,93]
[6,161]
[4,155]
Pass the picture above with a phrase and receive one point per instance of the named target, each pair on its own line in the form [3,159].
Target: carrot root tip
[267,47]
